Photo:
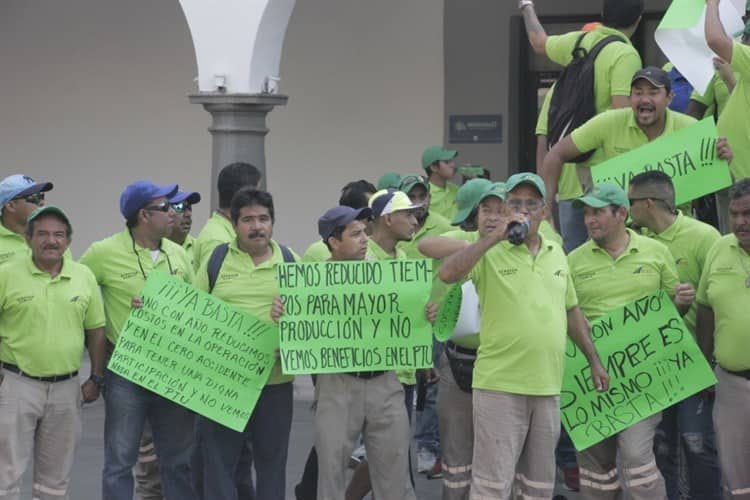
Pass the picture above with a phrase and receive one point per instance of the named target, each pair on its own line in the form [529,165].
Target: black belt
[365,375]
[461,350]
[744,373]
[53,378]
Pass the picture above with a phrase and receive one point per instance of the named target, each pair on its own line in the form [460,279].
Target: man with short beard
[621,130]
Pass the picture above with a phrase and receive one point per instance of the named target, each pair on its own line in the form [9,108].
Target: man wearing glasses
[121,265]
[528,304]
[19,196]
[182,204]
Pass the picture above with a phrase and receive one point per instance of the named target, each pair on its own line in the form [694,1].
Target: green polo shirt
[734,123]
[42,319]
[375,252]
[605,284]
[443,200]
[615,132]
[722,288]
[317,252]
[247,287]
[189,246]
[717,94]
[689,241]
[218,230]
[121,267]
[568,187]
[524,303]
[546,230]
[14,245]
[613,68]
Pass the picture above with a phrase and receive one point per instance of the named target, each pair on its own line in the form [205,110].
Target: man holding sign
[723,304]
[528,303]
[688,424]
[621,130]
[614,268]
[246,279]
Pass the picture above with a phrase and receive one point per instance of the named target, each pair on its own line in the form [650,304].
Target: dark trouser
[572,228]
[243,476]
[689,423]
[267,431]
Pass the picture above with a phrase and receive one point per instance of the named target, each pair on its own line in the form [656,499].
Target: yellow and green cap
[409,181]
[437,153]
[533,180]
[467,198]
[387,201]
[604,195]
[389,180]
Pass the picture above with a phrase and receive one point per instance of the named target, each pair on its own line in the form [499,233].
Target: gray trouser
[454,410]
[635,447]
[348,406]
[147,480]
[731,411]
[514,445]
[39,421]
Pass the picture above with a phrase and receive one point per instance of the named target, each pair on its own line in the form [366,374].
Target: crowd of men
[547,254]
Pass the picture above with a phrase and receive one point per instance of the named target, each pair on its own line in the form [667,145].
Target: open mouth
[646,112]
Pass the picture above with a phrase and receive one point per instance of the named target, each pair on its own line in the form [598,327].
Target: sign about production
[196,350]
[687,155]
[652,360]
[355,316]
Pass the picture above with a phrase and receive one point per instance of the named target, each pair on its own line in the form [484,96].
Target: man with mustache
[722,325]
[50,307]
[620,130]
[246,279]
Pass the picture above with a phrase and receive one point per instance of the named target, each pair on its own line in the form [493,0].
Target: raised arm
[716,37]
[534,29]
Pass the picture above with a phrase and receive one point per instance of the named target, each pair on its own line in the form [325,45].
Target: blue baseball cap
[192,198]
[338,217]
[139,193]
[17,186]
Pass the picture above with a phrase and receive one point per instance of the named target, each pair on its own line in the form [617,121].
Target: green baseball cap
[603,195]
[497,189]
[409,181]
[533,180]
[48,209]
[467,198]
[389,180]
[437,153]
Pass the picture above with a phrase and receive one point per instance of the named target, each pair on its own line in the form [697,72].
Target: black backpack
[573,99]
[217,259]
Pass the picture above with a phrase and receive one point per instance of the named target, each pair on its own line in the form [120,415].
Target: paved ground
[86,481]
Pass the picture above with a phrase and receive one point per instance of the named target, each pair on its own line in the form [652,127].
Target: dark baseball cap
[340,216]
[191,197]
[655,76]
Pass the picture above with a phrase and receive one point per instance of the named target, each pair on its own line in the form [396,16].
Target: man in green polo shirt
[614,268]
[440,167]
[182,203]
[50,308]
[688,425]
[19,196]
[121,265]
[247,281]
[734,121]
[218,229]
[621,130]
[528,303]
[722,325]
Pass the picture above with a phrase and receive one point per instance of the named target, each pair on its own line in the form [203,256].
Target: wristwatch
[524,3]
[98,380]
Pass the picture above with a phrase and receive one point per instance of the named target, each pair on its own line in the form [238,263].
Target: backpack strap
[214,264]
[578,51]
[287,254]
[602,43]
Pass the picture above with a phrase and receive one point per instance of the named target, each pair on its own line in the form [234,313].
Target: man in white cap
[19,196]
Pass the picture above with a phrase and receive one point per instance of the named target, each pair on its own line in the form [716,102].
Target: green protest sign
[652,360]
[195,350]
[448,313]
[688,156]
[355,316]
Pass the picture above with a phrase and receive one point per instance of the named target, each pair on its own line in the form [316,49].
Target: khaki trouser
[454,410]
[348,406]
[731,414]
[514,445]
[42,418]
[635,447]
[147,480]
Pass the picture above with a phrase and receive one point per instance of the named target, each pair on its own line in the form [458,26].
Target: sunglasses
[34,199]
[161,207]
[181,207]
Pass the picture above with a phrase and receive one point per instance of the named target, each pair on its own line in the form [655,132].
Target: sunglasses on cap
[34,199]
[161,207]
[181,207]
